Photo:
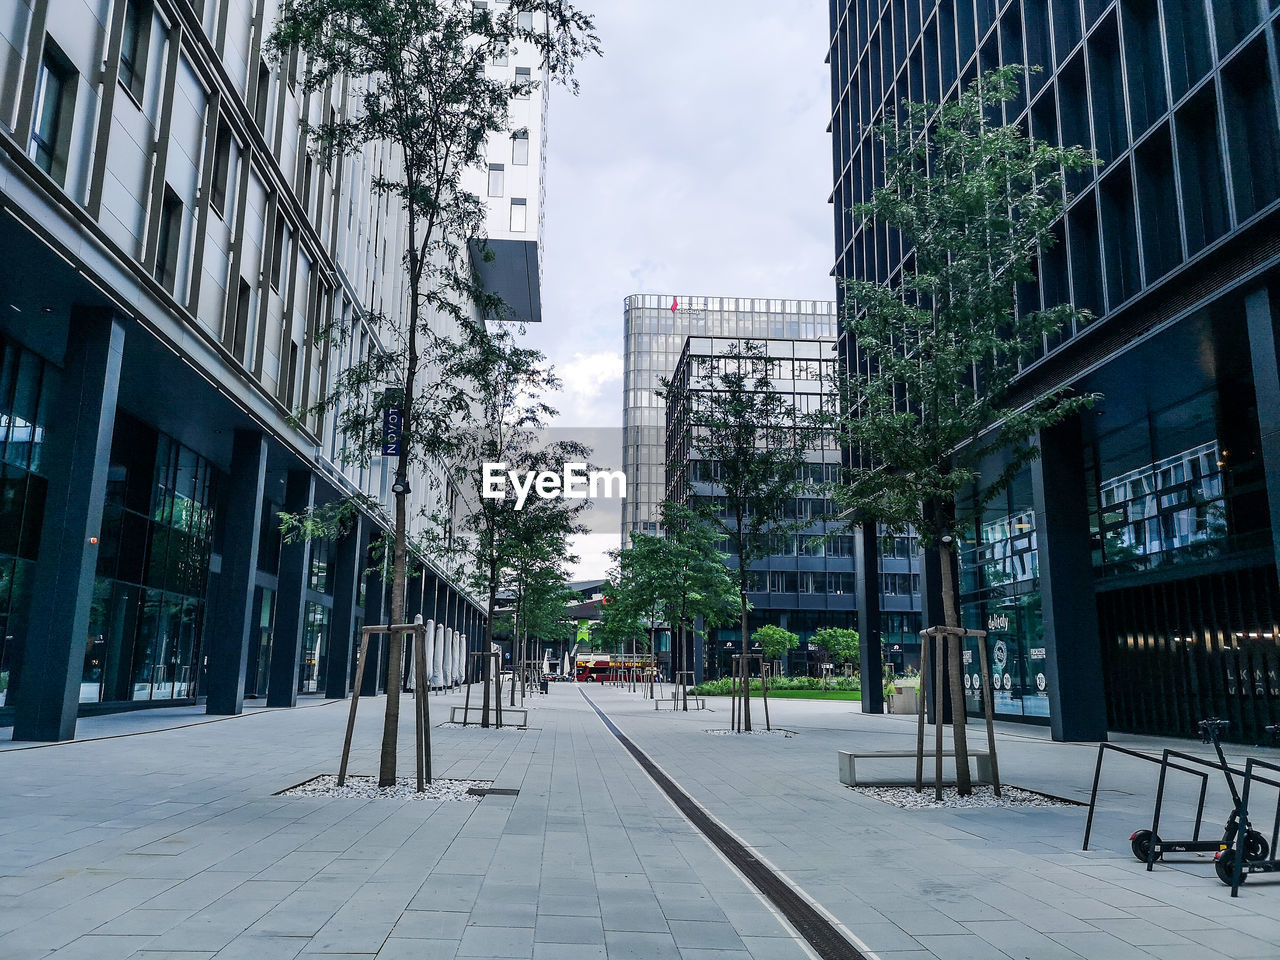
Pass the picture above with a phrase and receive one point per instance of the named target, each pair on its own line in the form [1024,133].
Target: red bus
[607,668]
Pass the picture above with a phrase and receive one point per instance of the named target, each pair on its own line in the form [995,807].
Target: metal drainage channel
[827,941]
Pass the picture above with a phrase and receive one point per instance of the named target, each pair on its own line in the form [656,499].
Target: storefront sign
[392,425]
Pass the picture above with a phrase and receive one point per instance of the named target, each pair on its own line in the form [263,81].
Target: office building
[171,253]
[810,582]
[1128,579]
[654,331]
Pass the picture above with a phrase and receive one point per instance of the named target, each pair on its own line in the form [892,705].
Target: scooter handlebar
[1211,727]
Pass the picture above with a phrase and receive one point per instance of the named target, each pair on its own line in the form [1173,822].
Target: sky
[695,161]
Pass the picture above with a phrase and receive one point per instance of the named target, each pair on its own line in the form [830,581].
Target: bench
[677,703]
[849,759]
[511,716]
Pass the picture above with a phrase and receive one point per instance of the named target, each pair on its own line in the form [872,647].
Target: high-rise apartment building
[171,252]
[1127,579]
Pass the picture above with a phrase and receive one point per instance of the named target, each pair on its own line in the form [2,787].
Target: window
[524,83]
[518,215]
[280,256]
[500,58]
[240,330]
[221,169]
[133,45]
[261,95]
[520,148]
[51,131]
[525,20]
[167,239]
[496,175]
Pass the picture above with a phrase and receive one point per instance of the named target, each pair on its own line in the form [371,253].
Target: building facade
[1128,578]
[654,331]
[171,253]
[811,581]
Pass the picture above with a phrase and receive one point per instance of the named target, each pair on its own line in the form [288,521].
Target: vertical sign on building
[392,423]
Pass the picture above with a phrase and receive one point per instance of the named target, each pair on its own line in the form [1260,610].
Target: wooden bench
[511,716]
[849,759]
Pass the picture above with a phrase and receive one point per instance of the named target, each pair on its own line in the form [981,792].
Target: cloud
[695,162]
[588,379]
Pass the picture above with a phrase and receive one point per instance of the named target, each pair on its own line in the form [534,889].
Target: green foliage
[975,202]
[774,641]
[722,687]
[841,644]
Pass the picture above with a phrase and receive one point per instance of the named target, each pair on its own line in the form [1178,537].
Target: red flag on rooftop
[674,303]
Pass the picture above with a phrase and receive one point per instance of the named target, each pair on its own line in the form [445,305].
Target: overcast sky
[695,161]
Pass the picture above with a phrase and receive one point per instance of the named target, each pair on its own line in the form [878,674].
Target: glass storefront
[153,568]
[26,384]
[315,627]
[1000,593]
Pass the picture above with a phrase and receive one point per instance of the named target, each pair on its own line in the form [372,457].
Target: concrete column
[76,457]
[348,568]
[229,628]
[1264,348]
[1073,651]
[295,566]
[866,550]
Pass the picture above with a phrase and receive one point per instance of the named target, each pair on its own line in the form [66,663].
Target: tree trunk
[746,673]
[486,660]
[963,785]
[395,652]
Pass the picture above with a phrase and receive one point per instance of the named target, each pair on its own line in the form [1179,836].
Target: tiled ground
[167,841]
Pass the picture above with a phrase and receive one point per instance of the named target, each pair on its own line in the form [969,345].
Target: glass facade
[1000,593]
[26,384]
[153,570]
[654,329]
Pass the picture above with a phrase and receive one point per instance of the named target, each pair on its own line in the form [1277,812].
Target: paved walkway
[167,841]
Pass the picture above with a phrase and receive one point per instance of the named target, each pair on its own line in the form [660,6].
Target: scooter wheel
[1140,843]
[1224,865]
[1255,846]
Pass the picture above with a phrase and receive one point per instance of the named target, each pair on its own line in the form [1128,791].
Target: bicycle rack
[1162,762]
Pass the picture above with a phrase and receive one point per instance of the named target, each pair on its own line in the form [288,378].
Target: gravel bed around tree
[406,788]
[982,796]
[775,732]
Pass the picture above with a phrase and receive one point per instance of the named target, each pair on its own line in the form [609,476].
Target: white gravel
[775,732]
[406,788]
[908,799]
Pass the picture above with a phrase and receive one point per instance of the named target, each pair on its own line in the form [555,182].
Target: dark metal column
[229,628]
[348,568]
[76,456]
[375,605]
[866,548]
[1263,342]
[291,598]
[1073,652]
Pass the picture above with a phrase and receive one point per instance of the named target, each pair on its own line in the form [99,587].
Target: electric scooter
[1224,862]
[1148,847]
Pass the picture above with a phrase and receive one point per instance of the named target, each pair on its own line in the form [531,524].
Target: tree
[752,441]
[774,641]
[636,590]
[841,644]
[696,582]
[418,71]
[934,356]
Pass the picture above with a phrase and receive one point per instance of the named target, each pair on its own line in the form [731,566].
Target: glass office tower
[1127,579]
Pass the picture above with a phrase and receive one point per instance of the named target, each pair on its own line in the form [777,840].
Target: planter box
[905,700]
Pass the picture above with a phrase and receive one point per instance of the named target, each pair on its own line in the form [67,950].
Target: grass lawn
[806,694]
